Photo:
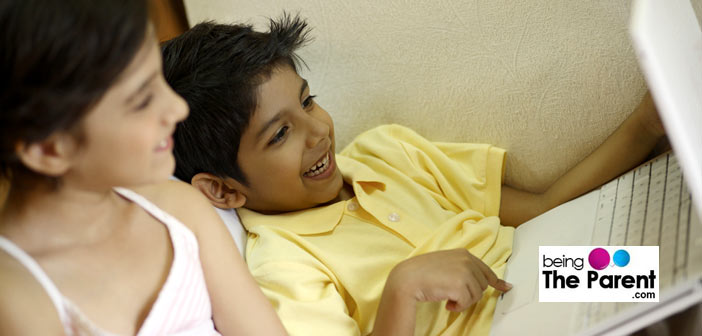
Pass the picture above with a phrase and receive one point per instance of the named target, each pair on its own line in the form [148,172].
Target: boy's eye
[279,135]
[308,102]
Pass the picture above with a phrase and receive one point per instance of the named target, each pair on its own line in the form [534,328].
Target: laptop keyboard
[647,206]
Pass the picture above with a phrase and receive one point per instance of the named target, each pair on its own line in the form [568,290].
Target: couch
[546,80]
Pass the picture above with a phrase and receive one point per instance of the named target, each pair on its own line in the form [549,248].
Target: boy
[348,244]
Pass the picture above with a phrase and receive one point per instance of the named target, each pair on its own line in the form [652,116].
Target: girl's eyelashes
[145,103]
[280,135]
[308,102]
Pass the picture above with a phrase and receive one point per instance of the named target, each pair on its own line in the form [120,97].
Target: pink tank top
[183,304]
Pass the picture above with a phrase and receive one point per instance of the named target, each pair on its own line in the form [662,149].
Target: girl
[84,109]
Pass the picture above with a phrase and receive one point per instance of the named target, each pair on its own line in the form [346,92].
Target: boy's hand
[453,275]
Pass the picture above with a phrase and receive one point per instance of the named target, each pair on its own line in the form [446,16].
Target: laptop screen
[668,42]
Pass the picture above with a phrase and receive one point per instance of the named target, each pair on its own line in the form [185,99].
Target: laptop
[658,203]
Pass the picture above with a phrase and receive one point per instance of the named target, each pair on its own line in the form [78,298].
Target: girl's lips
[165,144]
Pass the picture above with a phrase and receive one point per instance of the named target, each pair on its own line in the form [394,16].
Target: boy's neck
[346,193]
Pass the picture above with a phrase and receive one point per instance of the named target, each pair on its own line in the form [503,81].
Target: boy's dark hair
[217,68]
[58,58]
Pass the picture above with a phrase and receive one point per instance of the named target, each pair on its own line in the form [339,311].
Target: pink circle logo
[599,258]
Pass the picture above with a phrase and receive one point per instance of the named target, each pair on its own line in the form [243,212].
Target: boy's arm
[306,299]
[306,294]
[623,150]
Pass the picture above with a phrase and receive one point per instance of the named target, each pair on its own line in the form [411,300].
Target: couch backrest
[547,80]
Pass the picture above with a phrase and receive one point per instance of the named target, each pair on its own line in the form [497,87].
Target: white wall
[548,80]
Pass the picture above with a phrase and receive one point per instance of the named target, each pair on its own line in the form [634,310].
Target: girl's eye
[308,102]
[279,135]
[144,103]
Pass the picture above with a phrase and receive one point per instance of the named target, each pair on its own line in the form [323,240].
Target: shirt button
[352,206]
[394,217]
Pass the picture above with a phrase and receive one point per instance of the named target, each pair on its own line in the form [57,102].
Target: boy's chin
[333,194]
[337,195]
[278,209]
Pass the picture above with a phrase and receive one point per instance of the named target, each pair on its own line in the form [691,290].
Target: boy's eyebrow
[273,120]
[268,125]
[141,87]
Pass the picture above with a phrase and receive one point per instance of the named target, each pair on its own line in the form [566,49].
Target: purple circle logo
[599,258]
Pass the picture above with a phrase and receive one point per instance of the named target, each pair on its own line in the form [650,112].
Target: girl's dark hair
[58,58]
[217,68]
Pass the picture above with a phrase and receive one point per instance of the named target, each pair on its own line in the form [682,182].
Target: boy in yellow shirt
[379,238]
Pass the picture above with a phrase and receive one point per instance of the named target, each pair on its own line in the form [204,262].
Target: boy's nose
[317,131]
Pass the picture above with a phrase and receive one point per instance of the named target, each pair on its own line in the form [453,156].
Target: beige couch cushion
[547,80]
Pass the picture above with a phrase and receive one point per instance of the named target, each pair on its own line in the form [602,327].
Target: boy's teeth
[318,168]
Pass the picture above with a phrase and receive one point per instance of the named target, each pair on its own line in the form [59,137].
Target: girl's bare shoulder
[25,307]
[181,200]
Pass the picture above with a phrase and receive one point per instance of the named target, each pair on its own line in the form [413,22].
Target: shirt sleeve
[460,176]
[300,287]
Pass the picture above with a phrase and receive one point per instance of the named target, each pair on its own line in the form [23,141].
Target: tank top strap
[162,216]
[33,267]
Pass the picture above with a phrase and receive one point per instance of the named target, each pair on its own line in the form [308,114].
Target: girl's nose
[177,110]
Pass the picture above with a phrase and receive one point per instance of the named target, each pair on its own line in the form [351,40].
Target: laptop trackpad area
[570,224]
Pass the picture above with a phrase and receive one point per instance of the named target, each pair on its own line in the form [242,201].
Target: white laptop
[658,203]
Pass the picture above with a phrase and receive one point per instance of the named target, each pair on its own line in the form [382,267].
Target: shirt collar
[361,177]
[305,222]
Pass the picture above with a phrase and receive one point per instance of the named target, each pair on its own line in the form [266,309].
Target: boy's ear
[218,192]
[51,156]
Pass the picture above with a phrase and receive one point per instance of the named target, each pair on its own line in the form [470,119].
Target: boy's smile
[287,150]
[322,168]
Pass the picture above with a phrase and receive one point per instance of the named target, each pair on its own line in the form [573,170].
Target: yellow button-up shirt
[324,268]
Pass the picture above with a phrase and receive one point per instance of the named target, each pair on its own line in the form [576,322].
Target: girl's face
[126,138]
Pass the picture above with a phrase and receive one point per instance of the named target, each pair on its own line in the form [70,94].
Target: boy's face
[287,151]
